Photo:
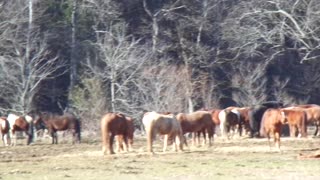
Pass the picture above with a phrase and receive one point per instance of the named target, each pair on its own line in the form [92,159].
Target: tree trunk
[73,63]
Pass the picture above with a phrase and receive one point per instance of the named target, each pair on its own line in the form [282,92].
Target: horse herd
[264,120]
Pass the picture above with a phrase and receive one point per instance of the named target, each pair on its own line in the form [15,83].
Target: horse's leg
[14,138]
[118,143]
[2,138]
[268,136]
[179,141]
[210,135]
[277,140]
[316,131]
[193,139]
[111,144]
[165,142]
[125,143]
[150,137]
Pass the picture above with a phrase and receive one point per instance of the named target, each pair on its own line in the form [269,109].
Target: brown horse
[271,123]
[296,118]
[167,125]
[313,115]
[113,124]
[4,131]
[199,121]
[130,134]
[55,122]
[20,123]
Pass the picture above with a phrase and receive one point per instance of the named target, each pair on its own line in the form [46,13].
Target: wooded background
[130,56]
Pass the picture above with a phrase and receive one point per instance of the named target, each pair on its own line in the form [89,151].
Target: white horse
[166,125]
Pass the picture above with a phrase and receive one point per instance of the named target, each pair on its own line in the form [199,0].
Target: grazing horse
[155,123]
[55,122]
[20,123]
[195,122]
[229,120]
[113,124]
[271,123]
[4,131]
[255,115]
[296,118]
[313,115]
[130,134]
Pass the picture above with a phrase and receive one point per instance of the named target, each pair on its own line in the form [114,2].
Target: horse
[55,122]
[243,120]
[130,134]
[313,115]
[271,123]
[113,124]
[229,119]
[20,123]
[296,118]
[4,131]
[199,121]
[255,115]
[167,125]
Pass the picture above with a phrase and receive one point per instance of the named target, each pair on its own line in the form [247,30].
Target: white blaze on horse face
[283,117]
[28,118]
[12,119]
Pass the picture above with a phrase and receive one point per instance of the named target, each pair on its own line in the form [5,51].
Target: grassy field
[237,159]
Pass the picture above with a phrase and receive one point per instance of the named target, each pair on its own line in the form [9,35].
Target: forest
[132,56]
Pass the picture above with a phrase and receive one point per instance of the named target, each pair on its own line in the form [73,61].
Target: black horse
[255,115]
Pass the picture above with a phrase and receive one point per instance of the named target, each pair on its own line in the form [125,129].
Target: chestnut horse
[297,119]
[155,123]
[199,121]
[20,123]
[271,123]
[313,115]
[130,133]
[113,124]
[55,122]
[4,131]
[255,115]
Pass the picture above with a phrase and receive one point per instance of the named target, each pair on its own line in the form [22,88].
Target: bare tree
[157,14]
[25,60]
[279,26]
[162,88]
[249,83]
[119,59]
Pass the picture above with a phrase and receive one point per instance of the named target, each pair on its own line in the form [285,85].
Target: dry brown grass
[237,159]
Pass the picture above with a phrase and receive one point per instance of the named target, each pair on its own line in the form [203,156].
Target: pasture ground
[237,159]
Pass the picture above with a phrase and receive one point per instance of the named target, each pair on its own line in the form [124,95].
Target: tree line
[97,56]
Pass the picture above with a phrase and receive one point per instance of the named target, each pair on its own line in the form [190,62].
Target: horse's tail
[262,130]
[304,125]
[104,135]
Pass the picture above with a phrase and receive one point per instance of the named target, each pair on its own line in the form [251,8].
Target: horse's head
[283,117]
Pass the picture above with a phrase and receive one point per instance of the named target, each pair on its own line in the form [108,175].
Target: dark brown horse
[130,134]
[55,122]
[229,120]
[113,124]
[20,123]
[271,124]
[4,131]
